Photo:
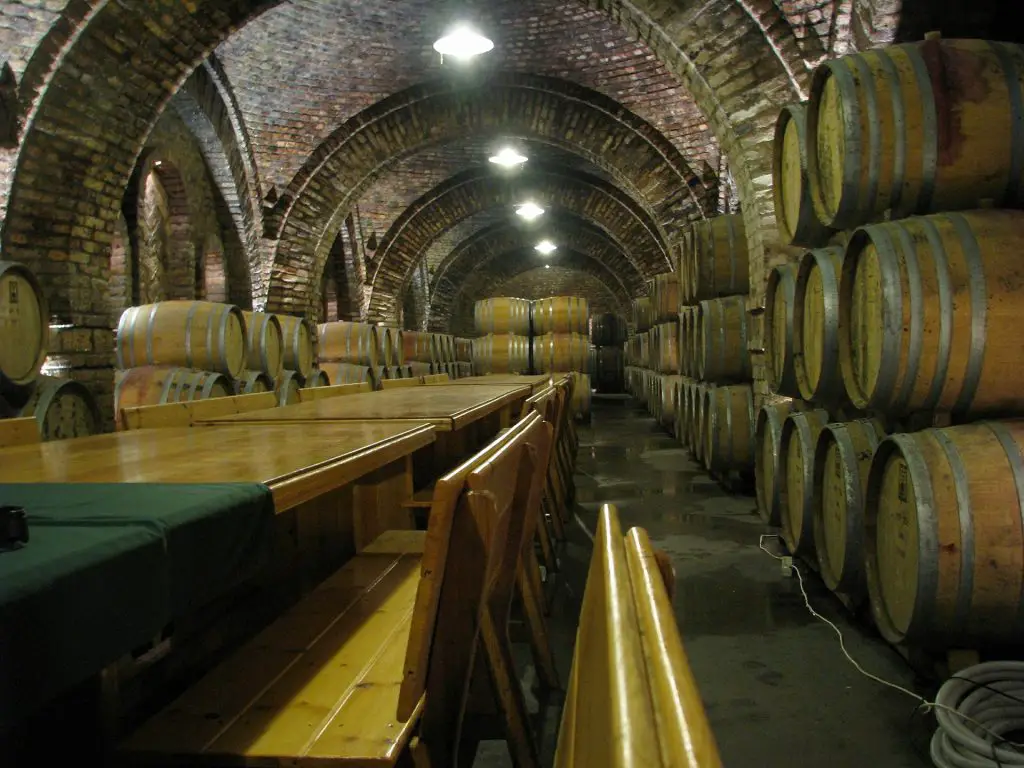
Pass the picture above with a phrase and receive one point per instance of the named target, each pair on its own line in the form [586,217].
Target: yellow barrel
[153,385]
[668,392]
[251,382]
[780,347]
[723,337]
[816,326]
[385,346]
[264,345]
[397,346]
[720,265]
[929,314]
[318,378]
[580,403]
[348,373]
[417,347]
[357,343]
[943,538]
[643,314]
[416,368]
[287,386]
[842,460]
[794,210]
[698,421]
[667,350]
[561,314]
[911,129]
[299,344]
[502,315]
[25,330]
[63,408]
[665,297]
[795,480]
[189,334]
[729,429]
[561,353]
[463,350]
[501,353]
[768,440]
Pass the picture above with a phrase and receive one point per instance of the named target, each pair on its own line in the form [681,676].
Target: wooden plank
[19,431]
[303,463]
[378,502]
[337,390]
[399,383]
[188,413]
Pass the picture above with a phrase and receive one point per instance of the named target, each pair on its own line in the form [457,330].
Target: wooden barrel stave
[816,326]
[300,344]
[795,480]
[768,440]
[264,343]
[780,331]
[794,209]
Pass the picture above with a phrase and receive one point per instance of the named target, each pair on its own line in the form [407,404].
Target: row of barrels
[550,353]
[925,526]
[380,346]
[910,316]
[522,317]
[873,141]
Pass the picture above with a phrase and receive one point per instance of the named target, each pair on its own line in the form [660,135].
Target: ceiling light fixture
[529,211]
[508,158]
[463,43]
[545,247]
[547,266]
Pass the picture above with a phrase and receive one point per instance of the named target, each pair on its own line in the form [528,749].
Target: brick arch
[477,251]
[467,193]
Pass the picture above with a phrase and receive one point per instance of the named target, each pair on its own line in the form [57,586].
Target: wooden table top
[297,463]
[534,381]
[446,408]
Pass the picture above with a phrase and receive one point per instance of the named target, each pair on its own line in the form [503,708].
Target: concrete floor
[777,689]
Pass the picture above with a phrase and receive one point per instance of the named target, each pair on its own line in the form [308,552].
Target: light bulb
[508,158]
[463,43]
[545,247]
[529,211]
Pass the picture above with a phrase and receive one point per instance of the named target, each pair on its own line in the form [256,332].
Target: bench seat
[321,682]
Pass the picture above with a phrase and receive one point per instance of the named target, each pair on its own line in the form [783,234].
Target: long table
[536,382]
[131,530]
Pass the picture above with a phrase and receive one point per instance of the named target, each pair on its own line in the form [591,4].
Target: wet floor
[777,689]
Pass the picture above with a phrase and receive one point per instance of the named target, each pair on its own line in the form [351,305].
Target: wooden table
[464,417]
[535,382]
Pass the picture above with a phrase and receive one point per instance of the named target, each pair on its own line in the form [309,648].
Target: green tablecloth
[107,567]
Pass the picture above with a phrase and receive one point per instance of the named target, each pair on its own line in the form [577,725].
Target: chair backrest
[399,383]
[19,431]
[338,390]
[435,378]
[452,526]
[631,700]
[540,401]
[187,413]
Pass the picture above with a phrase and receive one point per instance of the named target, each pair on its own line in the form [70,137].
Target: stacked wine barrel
[62,407]
[900,313]
[608,333]
[560,343]
[504,344]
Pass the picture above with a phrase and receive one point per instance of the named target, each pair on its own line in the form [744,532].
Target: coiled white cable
[990,695]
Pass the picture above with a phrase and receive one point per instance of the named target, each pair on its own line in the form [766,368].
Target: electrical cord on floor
[973,708]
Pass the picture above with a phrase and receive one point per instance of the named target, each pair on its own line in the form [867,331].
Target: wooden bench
[631,698]
[373,666]
[399,383]
[19,431]
[309,394]
[186,414]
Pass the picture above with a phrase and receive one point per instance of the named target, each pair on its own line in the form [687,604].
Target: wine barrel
[63,408]
[685,353]
[463,350]
[287,386]
[665,297]
[189,334]
[318,378]
[417,368]
[942,536]
[608,330]
[643,314]
[357,343]
[397,346]
[264,343]
[779,332]
[561,314]
[729,432]
[686,386]
[669,392]
[300,344]
[251,382]
[561,353]
[794,211]
[929,315]
[683,260]
[720,265]
[842,459]
[723,352]
[417,347]
[385,346]
[696,336]
[698,427]
[609,371]
[502,315]
[929,126]
[349,373]
[153,385]
[25,330]
[667,352]
[501,353]
[816,326]
[768,440]
[581,394]
[795,481]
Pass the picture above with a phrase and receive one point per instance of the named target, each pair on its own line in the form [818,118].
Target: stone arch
[465,194]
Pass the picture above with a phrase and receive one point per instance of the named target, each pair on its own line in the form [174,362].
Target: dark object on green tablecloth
[13,528]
